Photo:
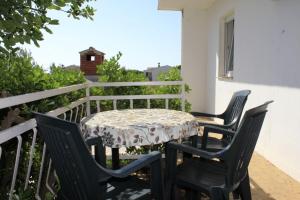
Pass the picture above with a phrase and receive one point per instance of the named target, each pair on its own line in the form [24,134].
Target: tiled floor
[268,182]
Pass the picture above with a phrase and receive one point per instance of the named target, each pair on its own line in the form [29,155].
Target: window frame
[90,58]
[223,71]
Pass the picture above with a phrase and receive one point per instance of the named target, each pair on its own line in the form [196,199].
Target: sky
[144,35]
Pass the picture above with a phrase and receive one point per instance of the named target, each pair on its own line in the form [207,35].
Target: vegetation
[22,75]
[111,71]
[23,21]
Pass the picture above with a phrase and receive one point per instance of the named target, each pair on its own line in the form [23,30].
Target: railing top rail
[64,109]
[136,97]
[16,130]
[146,83]
[29,97]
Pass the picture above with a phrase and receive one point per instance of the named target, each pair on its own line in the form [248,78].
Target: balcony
[24,137]
[267,181]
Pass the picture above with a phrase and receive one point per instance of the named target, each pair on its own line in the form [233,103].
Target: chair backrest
[239,151]
[75,167]
[235,108]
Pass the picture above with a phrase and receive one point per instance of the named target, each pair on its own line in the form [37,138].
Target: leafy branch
[22,21]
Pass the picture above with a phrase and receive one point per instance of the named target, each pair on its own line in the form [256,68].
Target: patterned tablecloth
[138,127]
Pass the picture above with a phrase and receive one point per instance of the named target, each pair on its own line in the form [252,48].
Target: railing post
[16,167]
[183,97]
[88,103]
[131,103]
[167,103]
[148,104]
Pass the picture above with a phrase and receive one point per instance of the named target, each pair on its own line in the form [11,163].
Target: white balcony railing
[73,112]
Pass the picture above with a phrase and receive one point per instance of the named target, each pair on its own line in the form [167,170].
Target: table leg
[115,158]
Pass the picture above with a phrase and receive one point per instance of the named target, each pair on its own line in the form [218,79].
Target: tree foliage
[23,21]
[111,71]
[21,75]
[174,74]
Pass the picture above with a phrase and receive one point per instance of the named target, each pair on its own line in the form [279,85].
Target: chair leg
[191,194]
[192,141]
[236,194]
[60,196]
[175,193]
[170,192]
[219,194]
[157,188]
[100,156]
[244,189]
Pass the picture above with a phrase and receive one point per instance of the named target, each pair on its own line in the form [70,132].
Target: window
[90,58]
[229,48]
[226,66]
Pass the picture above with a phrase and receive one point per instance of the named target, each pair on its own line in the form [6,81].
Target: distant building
[153,72]
[89,59]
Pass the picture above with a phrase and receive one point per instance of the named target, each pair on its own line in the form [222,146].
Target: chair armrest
[199,114]
[194,151]
[217,130]
[94,141]
[211,124]
[143,161]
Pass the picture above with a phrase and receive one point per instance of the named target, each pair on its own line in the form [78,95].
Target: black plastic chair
[82,178]
[231,118]
[217,173]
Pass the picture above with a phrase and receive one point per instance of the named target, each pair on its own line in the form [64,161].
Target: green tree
[174,74]
[111,71]
[21,75]
[23,21]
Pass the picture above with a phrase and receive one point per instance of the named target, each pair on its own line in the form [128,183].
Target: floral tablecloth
[138,127]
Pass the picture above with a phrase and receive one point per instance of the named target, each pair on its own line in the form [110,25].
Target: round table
[138,127]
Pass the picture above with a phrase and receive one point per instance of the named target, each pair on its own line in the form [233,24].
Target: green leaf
[48,30]
[36,43]
[54,7]
[54,22]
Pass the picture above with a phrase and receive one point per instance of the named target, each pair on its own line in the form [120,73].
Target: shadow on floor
[256,191]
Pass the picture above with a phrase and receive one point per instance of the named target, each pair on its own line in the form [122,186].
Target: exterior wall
[90,67]
[156,71]
[267,50]
[194,55]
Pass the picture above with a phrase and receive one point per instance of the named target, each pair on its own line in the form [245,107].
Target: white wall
[194,56]
[267,55]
